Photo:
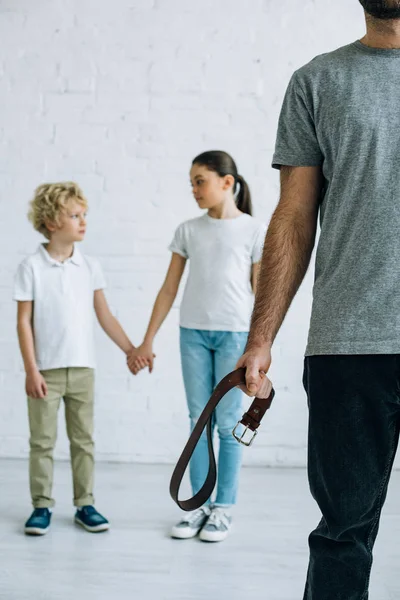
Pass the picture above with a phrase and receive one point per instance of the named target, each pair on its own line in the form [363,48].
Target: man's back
[342,111]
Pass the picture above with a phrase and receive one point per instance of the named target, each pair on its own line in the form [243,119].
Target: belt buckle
[240,438]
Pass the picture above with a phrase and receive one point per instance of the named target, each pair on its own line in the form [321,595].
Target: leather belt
[250,421]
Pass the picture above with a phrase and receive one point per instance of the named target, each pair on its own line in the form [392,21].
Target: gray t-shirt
[342,112]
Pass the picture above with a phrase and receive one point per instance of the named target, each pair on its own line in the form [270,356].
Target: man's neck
[382,33]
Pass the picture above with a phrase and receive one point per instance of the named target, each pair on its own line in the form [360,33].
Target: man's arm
[255,273]
[287,251]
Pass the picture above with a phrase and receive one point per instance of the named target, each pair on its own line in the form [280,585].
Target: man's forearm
[287,251]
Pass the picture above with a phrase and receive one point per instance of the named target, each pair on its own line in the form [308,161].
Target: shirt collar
[76,257]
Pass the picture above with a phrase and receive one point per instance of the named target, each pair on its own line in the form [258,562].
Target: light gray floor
[265,558]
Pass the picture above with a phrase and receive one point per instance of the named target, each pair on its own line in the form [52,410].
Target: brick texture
[120,96]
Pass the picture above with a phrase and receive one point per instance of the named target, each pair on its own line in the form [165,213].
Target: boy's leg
[197,370]
[229,347]
[354,405]
[43,434]
[79,404]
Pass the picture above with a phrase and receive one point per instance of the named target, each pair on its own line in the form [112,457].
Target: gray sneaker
[217,526]
[191,524]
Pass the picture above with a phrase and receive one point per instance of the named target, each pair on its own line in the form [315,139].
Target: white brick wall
[121,96]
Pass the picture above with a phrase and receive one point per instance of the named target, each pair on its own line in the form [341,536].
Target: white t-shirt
[218,295]
[62,295]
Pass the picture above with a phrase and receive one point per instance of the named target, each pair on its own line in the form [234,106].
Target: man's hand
[35,385]
[257,361]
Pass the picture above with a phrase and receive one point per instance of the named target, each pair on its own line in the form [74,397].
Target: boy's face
[72,224]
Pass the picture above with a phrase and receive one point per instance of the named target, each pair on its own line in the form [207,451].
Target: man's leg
[354,404]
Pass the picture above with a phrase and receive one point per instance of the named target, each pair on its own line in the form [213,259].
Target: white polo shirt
[63,296]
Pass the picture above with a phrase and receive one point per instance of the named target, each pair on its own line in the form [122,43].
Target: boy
[56,289]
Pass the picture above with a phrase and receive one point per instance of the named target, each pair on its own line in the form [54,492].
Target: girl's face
[209,189]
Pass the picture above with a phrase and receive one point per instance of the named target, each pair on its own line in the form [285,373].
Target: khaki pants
[76,386]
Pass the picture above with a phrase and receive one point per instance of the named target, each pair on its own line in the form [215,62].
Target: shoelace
[218,518]
[195,516]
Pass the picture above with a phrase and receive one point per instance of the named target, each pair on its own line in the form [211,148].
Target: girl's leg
[229,347]
[198,377]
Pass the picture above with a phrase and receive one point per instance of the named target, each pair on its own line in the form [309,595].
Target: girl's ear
[229,182]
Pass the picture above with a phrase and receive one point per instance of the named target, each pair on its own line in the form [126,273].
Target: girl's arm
[162,306]
[35,384]
[255,270]
[110,324]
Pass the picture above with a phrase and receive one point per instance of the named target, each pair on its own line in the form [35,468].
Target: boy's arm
[110,324]
[35,384]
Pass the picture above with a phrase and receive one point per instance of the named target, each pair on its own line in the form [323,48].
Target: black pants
[354,418]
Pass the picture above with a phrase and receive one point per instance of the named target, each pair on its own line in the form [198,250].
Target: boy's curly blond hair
[50,201]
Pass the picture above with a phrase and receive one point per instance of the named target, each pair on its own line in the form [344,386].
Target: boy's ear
[50,226]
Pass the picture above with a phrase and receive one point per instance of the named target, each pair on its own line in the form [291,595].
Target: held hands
[35,385]
[141,357]
[257,360]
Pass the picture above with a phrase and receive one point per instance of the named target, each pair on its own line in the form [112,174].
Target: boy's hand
[35,385]
[135,363]
[141,357]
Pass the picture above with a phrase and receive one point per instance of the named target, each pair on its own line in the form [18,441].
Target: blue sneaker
[39,522]
[91,520]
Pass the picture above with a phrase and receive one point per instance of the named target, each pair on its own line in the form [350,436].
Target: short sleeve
[258,244]
[23,283]
[179,243]
[296,144]
[98,279]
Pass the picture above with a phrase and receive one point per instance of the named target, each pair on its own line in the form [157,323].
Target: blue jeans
[207,356]
[354,422]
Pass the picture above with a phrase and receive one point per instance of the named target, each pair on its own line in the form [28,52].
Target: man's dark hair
[382,9]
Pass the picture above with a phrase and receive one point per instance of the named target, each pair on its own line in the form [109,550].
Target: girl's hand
[35,385]
[136,364]
[141,357]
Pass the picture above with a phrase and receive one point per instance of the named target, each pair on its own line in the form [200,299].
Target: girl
[224,248]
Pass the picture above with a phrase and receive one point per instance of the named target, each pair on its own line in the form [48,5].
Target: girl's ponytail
[223,164]
[244,197]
